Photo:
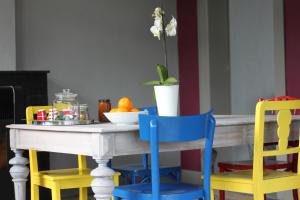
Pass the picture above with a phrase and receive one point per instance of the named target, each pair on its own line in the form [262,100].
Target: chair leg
[133,179]
[34,192]
[222,195]
[295,194]
[222,192]
[116,180]
[55,193]
[83,194]
[298,191]
[258,196]
[178,176]
[212,197]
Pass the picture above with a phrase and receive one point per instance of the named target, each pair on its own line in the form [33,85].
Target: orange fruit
[125,103]
[134,110]
[123,110]
[114,110]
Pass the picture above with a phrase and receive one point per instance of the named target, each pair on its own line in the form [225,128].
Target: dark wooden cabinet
[19,89]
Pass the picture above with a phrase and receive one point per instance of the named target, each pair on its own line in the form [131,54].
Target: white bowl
[124,117]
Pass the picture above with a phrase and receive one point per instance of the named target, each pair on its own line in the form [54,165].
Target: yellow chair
[258,181]
[62,178]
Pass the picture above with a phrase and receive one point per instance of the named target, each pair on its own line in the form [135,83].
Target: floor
[229,196]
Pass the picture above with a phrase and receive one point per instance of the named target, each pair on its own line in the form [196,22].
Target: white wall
[99,49]
[7,35]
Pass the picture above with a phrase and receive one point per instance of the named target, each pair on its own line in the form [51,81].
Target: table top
[221,120]
[108,140]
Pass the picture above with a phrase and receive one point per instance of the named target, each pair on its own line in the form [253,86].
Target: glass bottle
[103,106]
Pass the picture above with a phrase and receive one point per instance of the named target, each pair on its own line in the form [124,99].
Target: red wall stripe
[292,47]
[188,71]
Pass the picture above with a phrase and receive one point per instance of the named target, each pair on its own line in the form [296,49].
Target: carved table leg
[102,185]
[19,172]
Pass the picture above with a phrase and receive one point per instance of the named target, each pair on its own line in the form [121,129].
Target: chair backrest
[152,110]
[282,98]
[156,129]
[273,112]
[284,111]
[30,112]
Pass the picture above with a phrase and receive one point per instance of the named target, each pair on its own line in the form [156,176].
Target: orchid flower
[158,12]
[157,28]
[159,24]
[171,27]
[161,30]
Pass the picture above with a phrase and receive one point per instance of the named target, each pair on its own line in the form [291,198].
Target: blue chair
[156,129]
[141,172]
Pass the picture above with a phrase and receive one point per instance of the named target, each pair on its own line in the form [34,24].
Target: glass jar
[103,106]
[66,105]
[84,113]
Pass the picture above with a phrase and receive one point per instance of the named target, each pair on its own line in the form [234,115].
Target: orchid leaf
[162,72]
[171,81]
[152,83]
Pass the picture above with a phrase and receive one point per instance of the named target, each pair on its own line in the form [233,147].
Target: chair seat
[63,174]
[248,164]
[167,191]
[242,181]
[245,176]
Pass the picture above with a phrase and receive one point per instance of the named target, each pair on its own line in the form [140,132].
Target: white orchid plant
[161,31]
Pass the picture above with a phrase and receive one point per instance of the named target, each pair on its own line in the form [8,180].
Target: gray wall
[99,49]
[245,59]
[203,55]
[7,35]
[219,56]
[214,60]
[241,53]
[257,60]
[254,40]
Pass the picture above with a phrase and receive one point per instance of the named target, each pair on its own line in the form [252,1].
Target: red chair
[290,165]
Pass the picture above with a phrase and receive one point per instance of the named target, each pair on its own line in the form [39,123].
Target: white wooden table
[104,141]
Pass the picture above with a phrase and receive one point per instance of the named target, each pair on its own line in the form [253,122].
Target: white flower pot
[167,99]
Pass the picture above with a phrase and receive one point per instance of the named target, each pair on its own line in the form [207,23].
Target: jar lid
[104,100]
[66,94]
[83,107]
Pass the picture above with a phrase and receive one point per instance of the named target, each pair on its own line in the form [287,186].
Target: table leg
[102,185]
[19,172]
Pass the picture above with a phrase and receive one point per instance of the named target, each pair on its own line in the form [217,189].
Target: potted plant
[166,88]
